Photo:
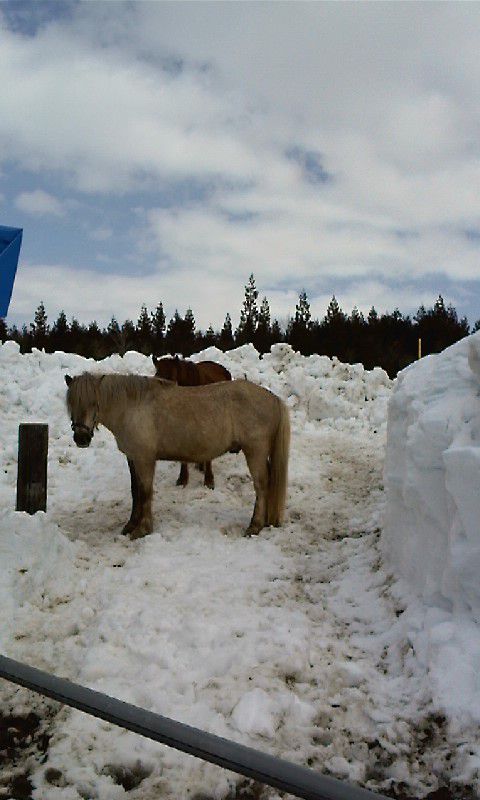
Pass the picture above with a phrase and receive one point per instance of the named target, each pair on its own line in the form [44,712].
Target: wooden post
[32,467]
[419,348]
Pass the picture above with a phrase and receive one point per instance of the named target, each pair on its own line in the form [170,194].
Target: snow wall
[431,537]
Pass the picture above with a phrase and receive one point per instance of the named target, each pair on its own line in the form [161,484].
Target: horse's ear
[68,380]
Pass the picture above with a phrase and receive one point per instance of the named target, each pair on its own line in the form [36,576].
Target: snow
[346,640]
[431,536]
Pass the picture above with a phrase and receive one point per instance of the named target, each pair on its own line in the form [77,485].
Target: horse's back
[212,372]
[238,398]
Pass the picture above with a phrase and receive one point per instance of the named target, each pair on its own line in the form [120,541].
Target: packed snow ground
[298,642]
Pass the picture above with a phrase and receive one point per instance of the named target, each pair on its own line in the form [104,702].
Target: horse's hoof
[252,530]
[137,534]
[127,529]
[209,484]
[181,483]
[141,531]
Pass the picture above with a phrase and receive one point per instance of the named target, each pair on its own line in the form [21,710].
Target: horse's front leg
[144,471]
[135,505]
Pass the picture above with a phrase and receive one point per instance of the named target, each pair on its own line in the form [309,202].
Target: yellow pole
[419,348]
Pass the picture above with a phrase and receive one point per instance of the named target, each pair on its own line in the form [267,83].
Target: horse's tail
[278,468]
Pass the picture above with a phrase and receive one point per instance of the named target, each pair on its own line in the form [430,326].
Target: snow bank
[322,387]
[432,526]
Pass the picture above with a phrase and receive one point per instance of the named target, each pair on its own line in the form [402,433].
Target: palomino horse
[155,420]
[188,373]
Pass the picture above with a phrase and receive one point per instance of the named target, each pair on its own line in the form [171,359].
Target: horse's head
[166,368]
[83,413]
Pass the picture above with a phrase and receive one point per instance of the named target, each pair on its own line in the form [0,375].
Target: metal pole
[299,781]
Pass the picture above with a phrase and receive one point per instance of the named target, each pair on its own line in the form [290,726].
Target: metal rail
[298,781]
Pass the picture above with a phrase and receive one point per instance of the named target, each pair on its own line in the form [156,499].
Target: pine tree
[302,310]
[94,330]
[26,340]
[263,334]
[439,309]
[357,346]
[39,327]
[60,331]
[15,334]
[210,337]
[357,320]
[332,335]
[226,341]
[113,336]
[334,312]
[189,333]
[276,332]
[421,313]
[299,328]
[158,329]
[249,314]
[144,331]
[77,337]
[3,330]
[439,327]
[113,327]
[127,337]
[180,336]
[95,341]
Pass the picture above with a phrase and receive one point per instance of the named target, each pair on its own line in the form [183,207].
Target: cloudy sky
[163,151]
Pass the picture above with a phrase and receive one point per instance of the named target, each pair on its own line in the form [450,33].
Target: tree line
[387,340]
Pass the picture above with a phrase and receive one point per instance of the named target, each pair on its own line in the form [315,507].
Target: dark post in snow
[32,467]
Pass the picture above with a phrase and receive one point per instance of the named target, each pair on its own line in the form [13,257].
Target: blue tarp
[10,241]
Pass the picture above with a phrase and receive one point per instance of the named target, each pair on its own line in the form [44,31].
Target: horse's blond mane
[109,389]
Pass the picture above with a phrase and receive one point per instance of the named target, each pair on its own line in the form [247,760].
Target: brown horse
[154,420]
[189,373]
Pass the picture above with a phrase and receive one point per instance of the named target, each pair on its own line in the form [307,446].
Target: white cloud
[39,203]
[108,123]
[130,97]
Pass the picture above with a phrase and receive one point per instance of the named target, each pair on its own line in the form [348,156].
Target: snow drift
[432,526]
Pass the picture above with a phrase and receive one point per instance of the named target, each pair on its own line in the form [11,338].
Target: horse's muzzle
[82,434]
[82,439]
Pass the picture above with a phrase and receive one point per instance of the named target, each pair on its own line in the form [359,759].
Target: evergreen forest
[389,340]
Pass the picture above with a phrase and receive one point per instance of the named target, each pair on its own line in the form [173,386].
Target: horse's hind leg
[182,479]
[143,524]
[135,506]
[208,479]
[206,468]
[258,466]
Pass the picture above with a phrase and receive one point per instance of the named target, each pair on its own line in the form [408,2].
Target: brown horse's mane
[110,388]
